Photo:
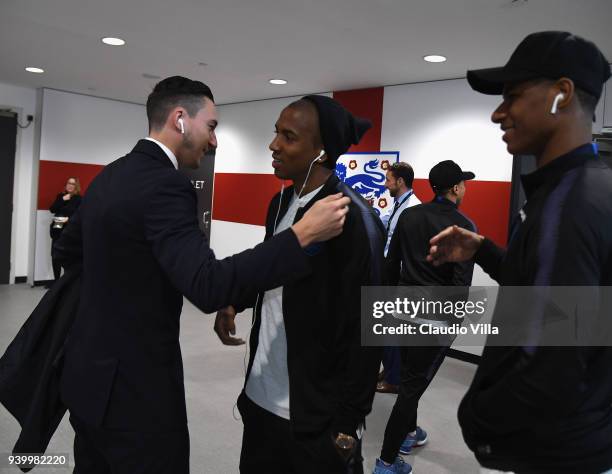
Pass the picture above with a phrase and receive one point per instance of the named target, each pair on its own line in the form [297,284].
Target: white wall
[434,121]
[23,101]
[82,129]
[86,130]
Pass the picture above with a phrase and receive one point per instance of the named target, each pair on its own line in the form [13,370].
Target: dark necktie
[395,208]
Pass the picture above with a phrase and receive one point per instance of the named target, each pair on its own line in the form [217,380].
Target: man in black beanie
[535,409]
[310,384]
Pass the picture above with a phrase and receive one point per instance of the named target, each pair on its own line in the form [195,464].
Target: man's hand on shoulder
[323,221]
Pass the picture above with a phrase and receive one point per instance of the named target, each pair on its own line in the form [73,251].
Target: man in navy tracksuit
[545,409]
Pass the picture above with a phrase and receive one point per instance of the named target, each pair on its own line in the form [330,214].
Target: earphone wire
[248,336]
[308,175]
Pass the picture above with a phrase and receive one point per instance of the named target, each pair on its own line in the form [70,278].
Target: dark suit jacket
[142,250]
[30,367]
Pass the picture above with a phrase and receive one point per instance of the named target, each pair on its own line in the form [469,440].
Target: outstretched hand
[453,244]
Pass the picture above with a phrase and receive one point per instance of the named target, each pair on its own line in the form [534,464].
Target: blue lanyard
[408,194]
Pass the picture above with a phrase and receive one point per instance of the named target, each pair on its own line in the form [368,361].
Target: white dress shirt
[167,151]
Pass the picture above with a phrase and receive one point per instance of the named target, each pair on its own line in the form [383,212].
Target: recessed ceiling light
[35,70]
[434,58]
[279,82]
[113,41]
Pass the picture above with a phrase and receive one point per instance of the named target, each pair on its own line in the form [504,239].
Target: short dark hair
[173,92]
[403,170]
[587,101]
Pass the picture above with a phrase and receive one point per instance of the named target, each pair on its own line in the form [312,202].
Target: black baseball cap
[550,55]
[446,174]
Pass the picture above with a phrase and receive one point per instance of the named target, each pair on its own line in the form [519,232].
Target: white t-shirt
[268,383]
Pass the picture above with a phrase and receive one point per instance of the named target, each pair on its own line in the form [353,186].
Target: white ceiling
[317,45]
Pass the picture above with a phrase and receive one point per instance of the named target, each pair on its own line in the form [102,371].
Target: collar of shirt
[307,197]
[557,167]
[167,151]
[401,199]
[443,200]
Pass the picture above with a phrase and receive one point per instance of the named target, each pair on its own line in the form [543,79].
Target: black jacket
[410,247]
[61,208]
[332,378]
[31,365]
[549,409]
[137,234]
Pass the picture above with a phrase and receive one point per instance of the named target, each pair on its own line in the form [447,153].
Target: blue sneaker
[398,467]
[414,441]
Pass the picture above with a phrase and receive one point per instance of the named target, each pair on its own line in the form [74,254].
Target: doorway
[8,143]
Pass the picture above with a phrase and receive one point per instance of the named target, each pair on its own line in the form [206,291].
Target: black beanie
[339,128]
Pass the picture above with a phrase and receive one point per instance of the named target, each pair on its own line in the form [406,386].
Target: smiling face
[524,116]
[199,136]
[297,142]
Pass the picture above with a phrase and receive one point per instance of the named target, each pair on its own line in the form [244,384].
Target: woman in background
[65,205]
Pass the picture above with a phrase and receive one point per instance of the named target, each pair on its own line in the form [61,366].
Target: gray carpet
[213,378]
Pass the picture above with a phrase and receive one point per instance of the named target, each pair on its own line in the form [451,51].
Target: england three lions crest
[365,173]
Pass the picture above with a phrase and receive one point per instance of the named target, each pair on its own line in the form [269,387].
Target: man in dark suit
[142,251]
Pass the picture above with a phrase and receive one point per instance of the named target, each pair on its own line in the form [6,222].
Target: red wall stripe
[487,203]
[367,103]
[244,198]
[53,175]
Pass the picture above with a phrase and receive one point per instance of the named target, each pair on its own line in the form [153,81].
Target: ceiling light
[113,41]
[279,82]
[434,58]
[35,70]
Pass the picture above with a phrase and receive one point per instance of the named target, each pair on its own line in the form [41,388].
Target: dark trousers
[270,446]
[391,361]
[57,267]
[100,451]
[418,368]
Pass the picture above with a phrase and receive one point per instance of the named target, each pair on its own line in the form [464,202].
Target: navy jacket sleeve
[489,256]
[184,253]
[547,382]
[357,383]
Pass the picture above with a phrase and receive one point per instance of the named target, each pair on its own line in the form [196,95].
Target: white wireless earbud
[180,122]
[558,98]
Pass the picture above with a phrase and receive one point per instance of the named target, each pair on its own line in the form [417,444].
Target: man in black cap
[407,265]
[310,384]
[545,409]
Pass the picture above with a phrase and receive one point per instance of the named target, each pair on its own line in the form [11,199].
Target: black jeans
[269,445]
[418,368]
[100,451]
[57,266]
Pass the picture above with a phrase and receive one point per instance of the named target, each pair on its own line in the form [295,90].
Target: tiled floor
[213,378]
